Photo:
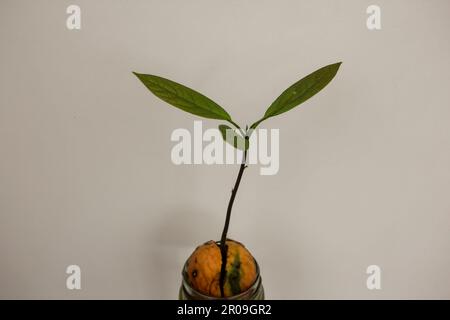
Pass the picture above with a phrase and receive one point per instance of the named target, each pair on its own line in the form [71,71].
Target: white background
[85,170]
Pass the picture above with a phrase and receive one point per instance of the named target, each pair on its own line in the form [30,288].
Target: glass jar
[255,292]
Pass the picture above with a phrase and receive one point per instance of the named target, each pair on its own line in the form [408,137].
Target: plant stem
[237,127]
[223,239]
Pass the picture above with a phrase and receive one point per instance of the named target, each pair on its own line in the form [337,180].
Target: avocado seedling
[225,268]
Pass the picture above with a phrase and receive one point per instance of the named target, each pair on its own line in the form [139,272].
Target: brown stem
[223,246]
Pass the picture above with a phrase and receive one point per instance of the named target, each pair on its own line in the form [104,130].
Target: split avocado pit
[204,269]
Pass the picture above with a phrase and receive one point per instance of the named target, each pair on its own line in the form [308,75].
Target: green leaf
[183,97]
[230,136]
[300,91]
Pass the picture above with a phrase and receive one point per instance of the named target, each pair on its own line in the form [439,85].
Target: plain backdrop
[86,176]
